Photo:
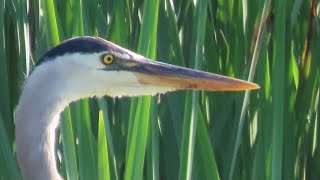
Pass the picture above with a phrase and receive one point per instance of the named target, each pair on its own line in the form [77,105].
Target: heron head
[97,67]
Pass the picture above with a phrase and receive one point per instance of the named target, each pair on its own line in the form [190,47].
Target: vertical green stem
[137,142]
[278,89]
[190,120]
[68,145]
[51,23]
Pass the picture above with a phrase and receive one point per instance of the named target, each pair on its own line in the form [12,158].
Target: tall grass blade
[103,161]
[278,90]
[50,22]
[146,46]
[253,66]
[87,155]
[68,143]
[108,133]
[190,120]
[9,168]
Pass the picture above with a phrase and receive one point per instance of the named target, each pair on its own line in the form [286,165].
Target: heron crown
[75,45]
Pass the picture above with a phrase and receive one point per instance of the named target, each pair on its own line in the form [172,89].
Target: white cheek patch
[90,61]
[124,83]
[121,78]
[138,91]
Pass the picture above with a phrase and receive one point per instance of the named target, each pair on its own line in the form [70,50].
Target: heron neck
[37,117]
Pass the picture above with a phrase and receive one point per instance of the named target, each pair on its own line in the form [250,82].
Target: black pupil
[109,58]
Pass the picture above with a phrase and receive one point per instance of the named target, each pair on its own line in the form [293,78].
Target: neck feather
[37,117]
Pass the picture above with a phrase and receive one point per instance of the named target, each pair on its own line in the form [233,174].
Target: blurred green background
[271,133]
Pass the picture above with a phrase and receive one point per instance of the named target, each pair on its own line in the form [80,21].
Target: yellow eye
[107,59]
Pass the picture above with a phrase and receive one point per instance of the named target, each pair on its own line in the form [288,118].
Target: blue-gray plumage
[85,67]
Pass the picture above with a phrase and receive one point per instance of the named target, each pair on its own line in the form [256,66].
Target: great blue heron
[86,67]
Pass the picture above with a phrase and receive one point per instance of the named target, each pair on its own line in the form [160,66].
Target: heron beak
[166,75]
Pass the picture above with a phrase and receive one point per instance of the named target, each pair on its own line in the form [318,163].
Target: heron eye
[107,59]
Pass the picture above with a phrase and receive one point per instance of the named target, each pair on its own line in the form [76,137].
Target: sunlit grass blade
[153,146]
[107,128]
[140,126]
[120,27]
[138,140]
[51,22]
[78,29]
[103,160]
